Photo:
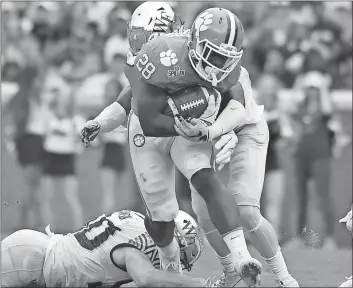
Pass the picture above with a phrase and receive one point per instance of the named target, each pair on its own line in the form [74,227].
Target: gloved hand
[89,132]
[192,129]
[348,220]
[226,144]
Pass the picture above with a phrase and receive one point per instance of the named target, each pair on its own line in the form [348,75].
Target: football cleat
[250,271]
[228,279]
[287,282]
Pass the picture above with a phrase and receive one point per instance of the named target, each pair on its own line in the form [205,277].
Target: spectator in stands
[26,111]
[325,31]
[83,61]
[61,145]
[315,139]
[117,20]
[98,12]
[117,30]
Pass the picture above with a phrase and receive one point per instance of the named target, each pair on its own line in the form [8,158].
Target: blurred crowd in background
[63,62]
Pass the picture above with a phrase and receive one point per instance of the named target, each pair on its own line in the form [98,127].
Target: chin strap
[214,80]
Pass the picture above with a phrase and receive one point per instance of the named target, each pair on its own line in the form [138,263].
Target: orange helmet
[217,37]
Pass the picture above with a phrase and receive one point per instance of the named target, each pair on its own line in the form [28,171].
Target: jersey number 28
[146,68]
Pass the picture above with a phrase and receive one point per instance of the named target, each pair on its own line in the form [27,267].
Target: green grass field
[311,268]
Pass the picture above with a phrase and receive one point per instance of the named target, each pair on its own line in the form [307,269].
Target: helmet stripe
[228,29]
[231,30]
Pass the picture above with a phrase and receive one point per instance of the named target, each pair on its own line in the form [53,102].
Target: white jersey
[22,258]
[84,258]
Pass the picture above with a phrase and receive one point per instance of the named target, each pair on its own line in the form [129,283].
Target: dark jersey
[164,62]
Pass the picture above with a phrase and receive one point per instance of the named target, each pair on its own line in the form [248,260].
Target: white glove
[348,220]
[227,145]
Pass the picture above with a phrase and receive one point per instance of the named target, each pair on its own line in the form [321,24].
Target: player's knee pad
[161,202]
[158,193]
[250,217]
[199,205]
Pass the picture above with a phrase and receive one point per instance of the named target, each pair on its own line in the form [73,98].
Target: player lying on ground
[115,113]
[348,220]
[110,250]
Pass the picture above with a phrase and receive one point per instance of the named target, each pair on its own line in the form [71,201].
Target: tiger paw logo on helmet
[203,21]
[168,58]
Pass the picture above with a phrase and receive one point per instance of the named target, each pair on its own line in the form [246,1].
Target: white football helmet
[189,236]
[148,19]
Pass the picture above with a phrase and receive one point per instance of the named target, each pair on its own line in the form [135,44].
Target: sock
[227,263]
[264,239]
[214,238]
[236,243]
[169,251]
[278,266]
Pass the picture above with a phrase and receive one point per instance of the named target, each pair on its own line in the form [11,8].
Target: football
[189,102]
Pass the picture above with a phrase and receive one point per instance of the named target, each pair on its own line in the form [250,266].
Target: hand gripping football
[194,102]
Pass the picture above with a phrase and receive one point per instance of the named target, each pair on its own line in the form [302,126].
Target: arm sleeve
[230,118]
[111,117]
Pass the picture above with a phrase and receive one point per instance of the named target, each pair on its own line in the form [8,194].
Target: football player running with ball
[108,252]
[115,114]
[166,64]
[247,162]
[348,220]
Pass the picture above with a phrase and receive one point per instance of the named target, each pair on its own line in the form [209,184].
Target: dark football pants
[319,171]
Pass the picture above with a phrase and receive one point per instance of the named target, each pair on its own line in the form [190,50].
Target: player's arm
[115,114]
[109,119]
[144,274]
[151,105]
[152,97]
[232,115]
